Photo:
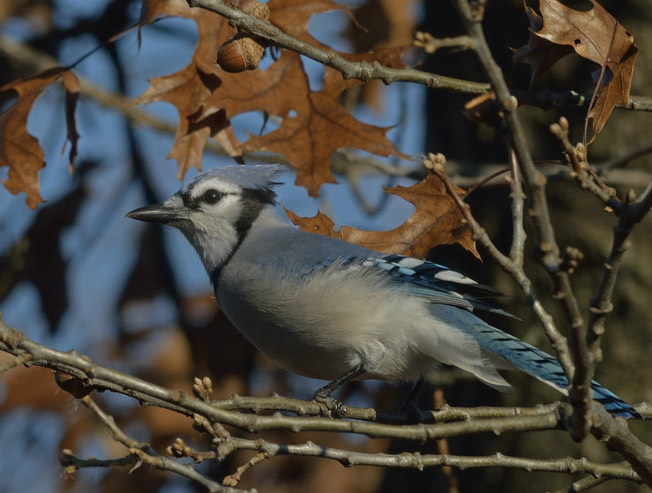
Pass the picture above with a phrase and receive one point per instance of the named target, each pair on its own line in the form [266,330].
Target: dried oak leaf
[539,53]
[188,89]
[320,127]
[271,91]
[436,221]
[293,16]
[19,150]
[597,36]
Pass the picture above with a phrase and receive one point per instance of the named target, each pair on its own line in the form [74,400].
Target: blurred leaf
[37,257]
[384,24]
[437,221]
[147,279]
[71,90]
[18,149]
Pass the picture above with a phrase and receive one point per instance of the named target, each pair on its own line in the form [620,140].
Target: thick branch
[96,377]
[629,215]
[617,436]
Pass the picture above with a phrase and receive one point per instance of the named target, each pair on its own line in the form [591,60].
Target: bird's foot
[334,408]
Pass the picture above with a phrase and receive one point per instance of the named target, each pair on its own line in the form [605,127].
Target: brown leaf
[273,91]
[595,35]
[189,88]
[319,224]
[615,92]
[386,24]
[293,16]
[320,128]
[18,149]
[207,97]
[539,53]
[437,221]
[321,125]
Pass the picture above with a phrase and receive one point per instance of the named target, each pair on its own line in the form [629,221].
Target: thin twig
[421,461]
[624,158]
[514,270]
[545,238]
[234,479]
[585,483]
[430,44]
[517,250]
[581,171]
[443,447]
[629,215]
[148,455]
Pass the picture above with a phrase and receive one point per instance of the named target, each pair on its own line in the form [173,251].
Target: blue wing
[436,282]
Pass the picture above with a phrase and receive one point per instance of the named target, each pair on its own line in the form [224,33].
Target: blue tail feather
[542,366]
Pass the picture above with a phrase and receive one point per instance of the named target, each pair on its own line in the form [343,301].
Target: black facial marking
[189,201]
[252,202]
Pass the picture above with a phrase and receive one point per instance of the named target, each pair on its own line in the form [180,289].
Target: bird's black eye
[211,196]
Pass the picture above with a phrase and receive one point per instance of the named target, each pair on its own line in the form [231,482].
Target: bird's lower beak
[157,213]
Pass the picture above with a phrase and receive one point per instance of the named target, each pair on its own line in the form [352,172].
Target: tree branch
[366,71]
[139,453]
[92,376]
[512,266]
[549,251]
[420,461]
[363,70]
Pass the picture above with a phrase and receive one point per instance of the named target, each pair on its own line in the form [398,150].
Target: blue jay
[327,309]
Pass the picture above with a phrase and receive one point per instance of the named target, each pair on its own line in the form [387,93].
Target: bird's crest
[245,176]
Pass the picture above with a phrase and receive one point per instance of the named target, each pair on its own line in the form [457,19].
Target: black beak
[157,213]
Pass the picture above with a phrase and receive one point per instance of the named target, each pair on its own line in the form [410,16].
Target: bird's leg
[336,408]
[410,403]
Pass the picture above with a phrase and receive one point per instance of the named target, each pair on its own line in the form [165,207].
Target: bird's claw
[334,408]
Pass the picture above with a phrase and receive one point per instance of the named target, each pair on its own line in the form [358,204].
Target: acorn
[242,52]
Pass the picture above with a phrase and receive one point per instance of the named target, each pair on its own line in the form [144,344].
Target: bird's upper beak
[165,212]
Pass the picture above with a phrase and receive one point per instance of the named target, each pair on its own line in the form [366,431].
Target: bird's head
[216,208]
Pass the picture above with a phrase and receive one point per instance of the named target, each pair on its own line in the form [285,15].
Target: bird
[327,309]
